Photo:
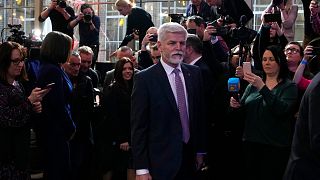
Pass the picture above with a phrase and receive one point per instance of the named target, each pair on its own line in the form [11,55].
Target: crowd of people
[170,112]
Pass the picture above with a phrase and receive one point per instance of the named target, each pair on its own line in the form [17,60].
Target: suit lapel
[164,82]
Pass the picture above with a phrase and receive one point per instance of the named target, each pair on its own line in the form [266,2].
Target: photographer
[235,9]
[89,27]
[269,34]
[196,25]
[149,41]
[287,12]
[138,20]
[60,15]
[202,9]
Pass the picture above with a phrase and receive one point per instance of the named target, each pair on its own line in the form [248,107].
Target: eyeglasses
[17,61]
[291,50]
[74,64]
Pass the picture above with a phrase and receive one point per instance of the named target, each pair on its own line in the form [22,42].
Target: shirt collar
[168,68]
[195,60]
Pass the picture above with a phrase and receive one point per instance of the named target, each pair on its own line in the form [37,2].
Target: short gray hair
[85,50]
[171,27]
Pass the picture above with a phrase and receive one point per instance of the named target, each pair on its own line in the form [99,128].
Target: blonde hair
[288,5]
[123,3]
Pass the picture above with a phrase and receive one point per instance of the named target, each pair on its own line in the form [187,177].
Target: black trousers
[265,162]
[187,169]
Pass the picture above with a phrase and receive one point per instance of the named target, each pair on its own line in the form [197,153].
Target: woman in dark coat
[117,105]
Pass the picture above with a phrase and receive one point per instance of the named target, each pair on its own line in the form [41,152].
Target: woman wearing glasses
[15,111]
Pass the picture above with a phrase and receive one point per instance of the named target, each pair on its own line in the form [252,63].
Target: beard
[176,57]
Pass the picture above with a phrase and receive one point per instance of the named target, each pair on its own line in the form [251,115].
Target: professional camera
[131,36]
[243,34]
[87,18]
[224,29]
[62,3]
[153,38]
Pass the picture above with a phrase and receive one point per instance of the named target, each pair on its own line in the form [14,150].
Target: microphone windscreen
[233,84]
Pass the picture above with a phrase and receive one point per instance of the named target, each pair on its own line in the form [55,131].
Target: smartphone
[49,86]
[272,17]
[246,67]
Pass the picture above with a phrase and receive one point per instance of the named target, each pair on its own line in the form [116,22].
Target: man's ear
[159,46]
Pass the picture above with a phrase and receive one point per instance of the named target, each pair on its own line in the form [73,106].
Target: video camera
[18,36]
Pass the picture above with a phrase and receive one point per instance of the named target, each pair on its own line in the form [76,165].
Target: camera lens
[87,18]
[62,4]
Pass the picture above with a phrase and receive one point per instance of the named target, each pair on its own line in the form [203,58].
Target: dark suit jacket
[156,128]
[304,162]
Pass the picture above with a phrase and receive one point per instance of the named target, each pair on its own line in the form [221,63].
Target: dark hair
[280,58]
[85,6]
[118,77]
[297,44]
[194,42]
[6,49]
[56,48]
[198,20]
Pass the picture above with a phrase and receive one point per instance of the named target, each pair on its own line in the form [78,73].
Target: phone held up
[246,67]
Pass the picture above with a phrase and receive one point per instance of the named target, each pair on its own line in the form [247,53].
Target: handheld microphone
[234,87]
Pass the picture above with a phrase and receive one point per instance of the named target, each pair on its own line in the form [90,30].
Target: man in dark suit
[304,161]
[167,117]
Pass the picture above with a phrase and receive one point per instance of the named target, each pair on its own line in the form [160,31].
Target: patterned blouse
[15,108]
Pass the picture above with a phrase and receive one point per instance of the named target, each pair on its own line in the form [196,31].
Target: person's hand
[239,72]
[60,9]
[207,33]
[199,161]
[314,8]
[276,26]
[146,39]
[144,177]
[125,146]
[37,94]
[234,103]
[135,36]
[37,107]
[253,79]
[308,53]
[80,16]
[53,5]
[113,54]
